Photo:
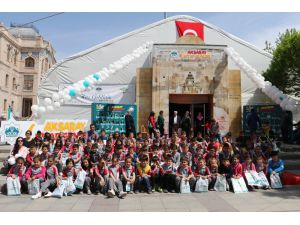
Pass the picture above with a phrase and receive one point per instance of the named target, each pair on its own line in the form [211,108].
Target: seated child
[202,171]
[186,154]
[247,166]
[175,156]
[87,167]
[225,169]
[275,165]
[260,165]
[76,156]
[36,172]
[184,173]
[52,179]
[101,174]
[143,175]
[57,159]
[44,154]
[132,155]
[119,154]
[114,182]
[213,167]
[237,169]
[94,155]
[18,171]
[69,171]
[29,158]
[128,175]
[168,176]
[155,174]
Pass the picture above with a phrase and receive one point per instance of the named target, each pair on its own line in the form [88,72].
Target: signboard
[110,94]
[111,117]
[266,113]
[12,129]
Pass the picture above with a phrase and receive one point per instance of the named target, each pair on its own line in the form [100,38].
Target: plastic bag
[69,186]
[220,184]
[79,182]
[250,178]
[59,191]
[275,181]
[128,187]
[201,185]
[13,186]
[263,179]
[239,185]
[185,187]
[33,186]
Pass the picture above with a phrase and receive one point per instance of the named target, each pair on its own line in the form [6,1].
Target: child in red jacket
[18,171]
[237,168]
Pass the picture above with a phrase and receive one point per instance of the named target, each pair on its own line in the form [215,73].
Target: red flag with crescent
[190,28]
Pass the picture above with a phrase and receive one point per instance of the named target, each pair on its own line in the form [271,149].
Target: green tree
[284,70]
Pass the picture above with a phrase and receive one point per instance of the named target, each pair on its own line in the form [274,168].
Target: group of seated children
[141,167]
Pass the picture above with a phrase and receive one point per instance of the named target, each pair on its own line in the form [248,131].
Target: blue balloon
[281,98]
[96,76]
[86,83]
[72,92]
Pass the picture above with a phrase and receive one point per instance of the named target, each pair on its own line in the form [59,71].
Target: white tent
[122,84]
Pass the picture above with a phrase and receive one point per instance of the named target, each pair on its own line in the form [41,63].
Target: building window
[5,105]
[29,62]
[6,80]
[26,107]
[28,83]
[14,85]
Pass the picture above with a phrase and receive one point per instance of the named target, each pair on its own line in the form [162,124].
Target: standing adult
[175,122]
[161,123]
[129,123]
[285,124]
[253,123]
[186,123]
[28,140]
[92,135]
[199,124]
[151,123]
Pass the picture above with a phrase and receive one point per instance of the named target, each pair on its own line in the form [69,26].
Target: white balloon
[42,109]
[50,108]
[268,83]
[47,101]
[67,98]
[61,101]
[56,104]
[34,108]
[55,97]
[289,107]
[61,94]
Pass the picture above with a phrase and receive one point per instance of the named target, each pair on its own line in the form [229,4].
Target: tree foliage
[284,70]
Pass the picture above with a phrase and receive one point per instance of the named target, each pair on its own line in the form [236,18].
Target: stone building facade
[24,56]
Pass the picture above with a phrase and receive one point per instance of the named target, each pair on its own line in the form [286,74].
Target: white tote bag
[239,185]
[263,179]
[220,184]
[79,182]
[275,181]
[201,185]
[59,191]
[128,187]
[34,187]
[185,187]
[69,185]
[13,186]
[250,179]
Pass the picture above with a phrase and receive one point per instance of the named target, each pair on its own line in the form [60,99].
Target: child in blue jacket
[275,165]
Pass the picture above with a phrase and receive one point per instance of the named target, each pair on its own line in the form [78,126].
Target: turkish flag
[190,28]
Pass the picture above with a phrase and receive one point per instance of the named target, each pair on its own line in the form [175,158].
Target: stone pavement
[287,199]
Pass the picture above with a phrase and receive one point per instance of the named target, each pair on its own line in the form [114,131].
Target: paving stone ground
[287,199]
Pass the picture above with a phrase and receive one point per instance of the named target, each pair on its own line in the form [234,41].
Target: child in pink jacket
[247,166]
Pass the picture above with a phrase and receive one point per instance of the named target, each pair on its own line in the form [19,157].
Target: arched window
[6,80]
[5,105]
[14,85]
[29,62]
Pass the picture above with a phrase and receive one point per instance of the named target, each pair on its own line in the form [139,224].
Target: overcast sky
[70,33]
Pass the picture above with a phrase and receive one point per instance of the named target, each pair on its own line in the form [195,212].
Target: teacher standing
[129,123]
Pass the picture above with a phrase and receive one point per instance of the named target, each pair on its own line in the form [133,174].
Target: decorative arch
[29,62]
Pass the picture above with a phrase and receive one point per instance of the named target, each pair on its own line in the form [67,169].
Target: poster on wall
[111,117]
[267,114]
[11,129]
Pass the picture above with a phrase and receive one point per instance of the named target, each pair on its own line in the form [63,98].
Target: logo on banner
[10,131]
[174,54]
